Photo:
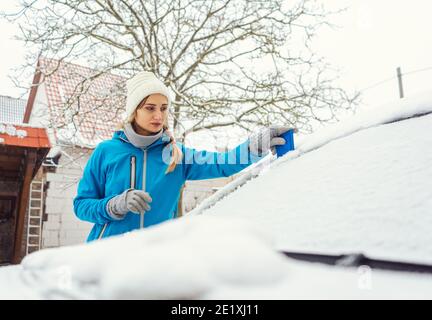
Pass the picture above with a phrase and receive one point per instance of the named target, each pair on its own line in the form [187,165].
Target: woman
[141,170]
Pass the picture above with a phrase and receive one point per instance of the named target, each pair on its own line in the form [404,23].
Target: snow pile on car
[359,186]
[182,259]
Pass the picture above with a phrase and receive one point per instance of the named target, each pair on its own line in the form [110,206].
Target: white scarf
[139,140]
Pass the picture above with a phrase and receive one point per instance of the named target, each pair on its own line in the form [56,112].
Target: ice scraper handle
[289,143]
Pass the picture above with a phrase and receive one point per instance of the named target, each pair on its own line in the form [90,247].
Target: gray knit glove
[266,139]
[133,200]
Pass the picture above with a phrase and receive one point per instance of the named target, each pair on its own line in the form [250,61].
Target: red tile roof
[23,136]
[95,116]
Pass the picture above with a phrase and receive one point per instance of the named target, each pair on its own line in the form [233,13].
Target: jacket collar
[120,135]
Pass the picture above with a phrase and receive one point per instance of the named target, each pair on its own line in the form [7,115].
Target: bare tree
[229,63]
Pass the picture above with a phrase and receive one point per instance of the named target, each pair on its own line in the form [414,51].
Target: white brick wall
[54,218]
[63,227]
[50,242]
[51,226]
[53,204]
[198,190]
[61,190]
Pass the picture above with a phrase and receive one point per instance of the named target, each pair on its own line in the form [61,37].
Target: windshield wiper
[357,260]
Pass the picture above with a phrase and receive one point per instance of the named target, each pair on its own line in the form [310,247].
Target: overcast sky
[374,38]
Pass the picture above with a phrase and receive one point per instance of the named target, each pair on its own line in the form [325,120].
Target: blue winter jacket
[116,165]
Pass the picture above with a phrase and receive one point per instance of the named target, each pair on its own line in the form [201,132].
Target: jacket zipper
[143,185]
[132,172]
[132,185]
[103,231]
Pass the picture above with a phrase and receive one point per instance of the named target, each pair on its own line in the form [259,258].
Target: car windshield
[359,187]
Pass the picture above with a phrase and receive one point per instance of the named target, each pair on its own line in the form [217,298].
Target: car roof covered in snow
[362,185]
[341,191]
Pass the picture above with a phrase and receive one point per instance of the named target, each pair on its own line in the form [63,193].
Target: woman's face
[151,114]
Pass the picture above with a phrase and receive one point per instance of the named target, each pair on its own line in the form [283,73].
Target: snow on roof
[365,187]
[23,136]
[200,257]
[94,117]
[12,109]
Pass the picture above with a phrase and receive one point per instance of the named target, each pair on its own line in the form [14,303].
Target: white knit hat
[140,86]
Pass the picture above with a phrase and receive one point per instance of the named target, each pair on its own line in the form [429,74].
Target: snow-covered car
[359,188]
[358,193]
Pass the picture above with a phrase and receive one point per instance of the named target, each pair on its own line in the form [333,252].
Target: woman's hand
[266,139]
[136,201]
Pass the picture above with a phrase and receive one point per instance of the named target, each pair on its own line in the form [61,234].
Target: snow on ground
[368,191]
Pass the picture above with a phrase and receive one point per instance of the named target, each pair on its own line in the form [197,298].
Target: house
[22,150]
[12,109]
[75,126]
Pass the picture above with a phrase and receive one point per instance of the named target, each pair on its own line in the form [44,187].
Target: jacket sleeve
[199,165]
[90,204]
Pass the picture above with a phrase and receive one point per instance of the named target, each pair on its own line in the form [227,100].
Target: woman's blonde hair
[176,155]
